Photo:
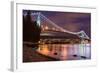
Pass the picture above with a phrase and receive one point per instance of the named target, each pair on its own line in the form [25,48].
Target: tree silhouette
[31,30]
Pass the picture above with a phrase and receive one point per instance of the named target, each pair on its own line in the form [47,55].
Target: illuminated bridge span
[47,25]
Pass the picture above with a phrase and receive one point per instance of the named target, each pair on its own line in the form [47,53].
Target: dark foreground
[30,55]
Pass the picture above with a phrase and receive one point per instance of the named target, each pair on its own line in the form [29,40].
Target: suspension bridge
[49,26]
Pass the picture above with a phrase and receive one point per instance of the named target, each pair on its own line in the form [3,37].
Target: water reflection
[66,51]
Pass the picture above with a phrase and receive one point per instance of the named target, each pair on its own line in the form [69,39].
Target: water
[66,51]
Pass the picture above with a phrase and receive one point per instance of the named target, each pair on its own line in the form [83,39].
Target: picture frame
[17,63]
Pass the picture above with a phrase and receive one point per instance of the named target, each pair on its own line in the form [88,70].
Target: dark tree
[31,30]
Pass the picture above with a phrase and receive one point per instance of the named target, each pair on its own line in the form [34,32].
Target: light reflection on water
[65,51]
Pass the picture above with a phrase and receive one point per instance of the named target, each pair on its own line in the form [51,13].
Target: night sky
[71,21]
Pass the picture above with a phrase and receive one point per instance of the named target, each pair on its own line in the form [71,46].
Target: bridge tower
[38,18]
